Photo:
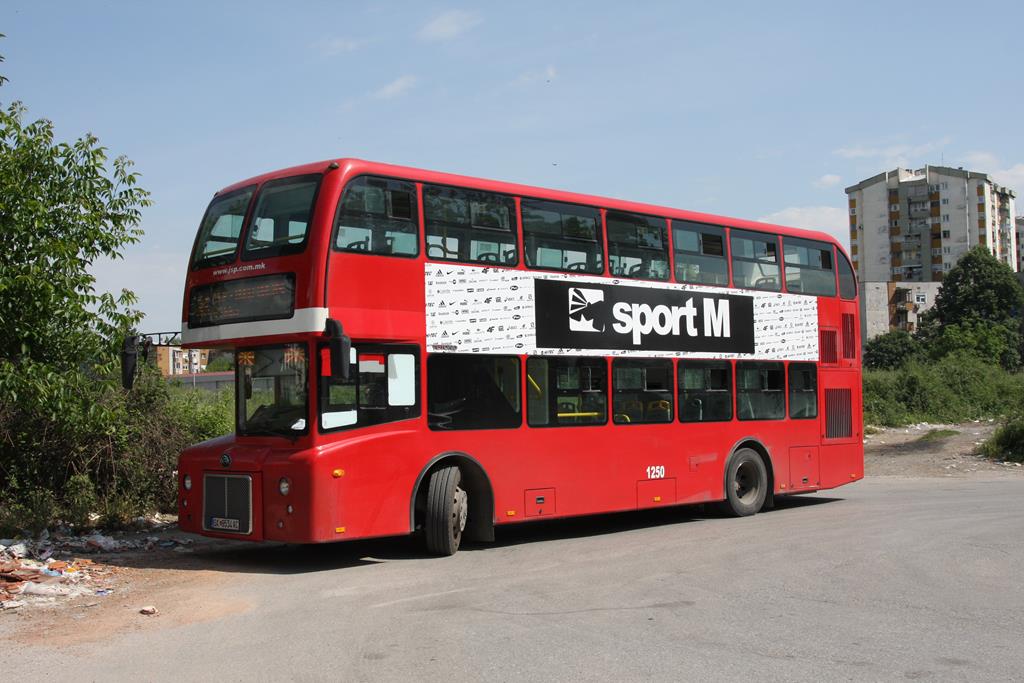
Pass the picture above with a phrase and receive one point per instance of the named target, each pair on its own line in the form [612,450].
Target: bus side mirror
[340,346]
[129,361]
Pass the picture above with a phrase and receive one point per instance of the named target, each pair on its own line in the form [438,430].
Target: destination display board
[267,297]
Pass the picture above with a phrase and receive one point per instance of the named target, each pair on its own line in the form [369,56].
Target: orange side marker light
[511,513]
[339,530]
[338,473]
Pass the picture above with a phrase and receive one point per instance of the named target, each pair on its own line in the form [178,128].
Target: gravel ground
[933,450]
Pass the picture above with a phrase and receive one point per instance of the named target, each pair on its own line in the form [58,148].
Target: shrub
[1008,441]
[890,350]
[957,387]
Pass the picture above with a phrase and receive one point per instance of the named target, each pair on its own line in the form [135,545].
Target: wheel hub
[460,510]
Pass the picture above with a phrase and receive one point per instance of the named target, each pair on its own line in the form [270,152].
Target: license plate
[224,523]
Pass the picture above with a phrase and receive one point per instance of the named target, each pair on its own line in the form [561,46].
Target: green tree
[69,435]
[62,208]
[890,350]
[977,312]
[979,288]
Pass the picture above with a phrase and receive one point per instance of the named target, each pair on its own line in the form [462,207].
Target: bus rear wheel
[746,483]
[447,511]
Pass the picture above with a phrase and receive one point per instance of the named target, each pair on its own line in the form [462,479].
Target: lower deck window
[642,391]
[566,391]
[382,387]
[705,391]
[760,391]
[803,391]
[473,392]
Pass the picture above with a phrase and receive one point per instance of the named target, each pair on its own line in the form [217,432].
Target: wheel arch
[754,444]
[480,525]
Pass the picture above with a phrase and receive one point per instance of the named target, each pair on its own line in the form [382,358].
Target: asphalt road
[884,579]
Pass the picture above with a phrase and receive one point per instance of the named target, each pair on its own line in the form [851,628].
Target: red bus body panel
[360,483]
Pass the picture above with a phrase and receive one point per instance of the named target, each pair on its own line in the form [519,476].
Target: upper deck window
[637,246]
[847,280]
[809,267]
[280,221]
[469,226]
[221,228]
[700,253]
[559,236]
[755,260]
[378,216]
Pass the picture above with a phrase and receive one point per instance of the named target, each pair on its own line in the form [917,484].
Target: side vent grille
[838,413]
[849,337]
[829,347]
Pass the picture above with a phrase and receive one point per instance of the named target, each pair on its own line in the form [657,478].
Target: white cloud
[547,74]
[448,25]
[1012,178]
[827,180]
[903,155]
[830,219]
[986,162]
[395,88]
[332,47]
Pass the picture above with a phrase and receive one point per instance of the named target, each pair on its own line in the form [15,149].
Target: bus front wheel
[447,511]
[746,483]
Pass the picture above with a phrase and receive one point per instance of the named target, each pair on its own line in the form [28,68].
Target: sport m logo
[587,310]
[637,318]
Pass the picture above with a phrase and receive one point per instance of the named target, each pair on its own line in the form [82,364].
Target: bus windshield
[272,390]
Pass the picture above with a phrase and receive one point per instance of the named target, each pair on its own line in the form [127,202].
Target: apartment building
[1019,221]
[174,360]
[886,306]
[912,225]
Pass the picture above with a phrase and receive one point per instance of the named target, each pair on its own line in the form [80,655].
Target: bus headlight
[187,482]
[284,486]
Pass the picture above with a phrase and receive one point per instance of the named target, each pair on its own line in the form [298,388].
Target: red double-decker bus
[420,352]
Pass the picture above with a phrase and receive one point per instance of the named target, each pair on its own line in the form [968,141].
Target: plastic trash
[149,610]
[18,550]
[33,588]
[103,543]
[104,591]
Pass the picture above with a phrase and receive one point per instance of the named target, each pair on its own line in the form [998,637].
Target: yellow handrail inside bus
[579,414]
[535,385]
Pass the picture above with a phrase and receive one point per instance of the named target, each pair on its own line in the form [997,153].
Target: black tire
[746,483]
[447,510]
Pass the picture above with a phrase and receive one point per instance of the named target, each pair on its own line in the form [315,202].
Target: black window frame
[707,366]
[790,391]
[582,361]
[281,249]
[777,366]
[765,238]
[434,424]
[574,209]
[468,228]
[230,257]
[644,364]
[701,229]
[389,181]
[639,221]
[825,248]
[324,380]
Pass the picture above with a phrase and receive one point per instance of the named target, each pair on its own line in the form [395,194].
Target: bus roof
[360,167]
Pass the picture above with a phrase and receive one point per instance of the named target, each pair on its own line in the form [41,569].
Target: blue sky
[756,110]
